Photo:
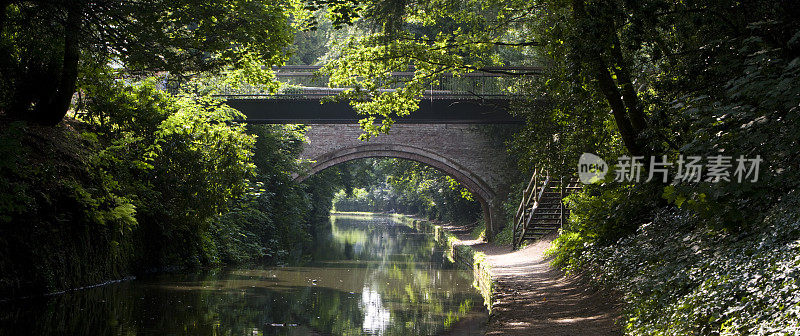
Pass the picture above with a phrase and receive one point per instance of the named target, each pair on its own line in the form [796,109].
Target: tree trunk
[629,95]
[608,87]
[3,6]
[51,109]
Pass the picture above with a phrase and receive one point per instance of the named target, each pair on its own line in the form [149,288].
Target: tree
[630,58]
[601,51]
[432,37]
[44,44]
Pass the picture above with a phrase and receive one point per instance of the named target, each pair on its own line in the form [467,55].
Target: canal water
[367,275]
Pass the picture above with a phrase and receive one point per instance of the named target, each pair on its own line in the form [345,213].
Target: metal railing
[305,82]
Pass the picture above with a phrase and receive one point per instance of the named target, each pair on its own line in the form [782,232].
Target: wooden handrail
[532,198]
[532,195]
[525,197]
[535,205]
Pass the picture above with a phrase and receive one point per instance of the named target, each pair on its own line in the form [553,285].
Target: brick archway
[474,155]
[470,180]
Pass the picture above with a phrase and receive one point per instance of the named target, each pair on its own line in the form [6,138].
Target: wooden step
[547,203]
[548,206]
[550,201]
[545,210]
[545,215]
[539,231]
[542,211]
[549,227]
[543,227]
[544,222]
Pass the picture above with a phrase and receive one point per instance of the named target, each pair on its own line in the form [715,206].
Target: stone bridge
[460,133]
[472,154]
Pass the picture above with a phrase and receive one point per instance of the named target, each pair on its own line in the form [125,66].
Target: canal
[366,275]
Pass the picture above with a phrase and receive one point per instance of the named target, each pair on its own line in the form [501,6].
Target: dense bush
[269,220]
[680,277]
[63,222]
[147,181]
[179,159]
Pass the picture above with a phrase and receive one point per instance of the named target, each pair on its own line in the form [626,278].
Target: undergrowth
[679,277]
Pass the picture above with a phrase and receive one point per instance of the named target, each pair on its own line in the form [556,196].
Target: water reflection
[376,316]
[367,275]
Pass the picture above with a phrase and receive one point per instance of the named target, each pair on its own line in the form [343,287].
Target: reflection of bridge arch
[470,180]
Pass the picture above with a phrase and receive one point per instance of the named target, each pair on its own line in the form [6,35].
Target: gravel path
[532,298]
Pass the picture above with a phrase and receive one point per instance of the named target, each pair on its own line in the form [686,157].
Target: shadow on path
[533,298]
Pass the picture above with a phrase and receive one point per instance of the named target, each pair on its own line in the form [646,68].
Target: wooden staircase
[542,210]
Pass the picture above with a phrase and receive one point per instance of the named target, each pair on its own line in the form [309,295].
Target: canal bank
[524,294]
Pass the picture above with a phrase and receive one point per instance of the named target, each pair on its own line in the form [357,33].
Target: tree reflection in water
[367,275]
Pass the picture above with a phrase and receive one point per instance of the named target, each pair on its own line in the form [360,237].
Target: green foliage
[410,187]
[63,223]
[149,181]
[433,37]
[14,199]
[431,192]
[271,218]
[360,200]
[681,278]
[179,157]
[479,231]
[505,236]
[45,45]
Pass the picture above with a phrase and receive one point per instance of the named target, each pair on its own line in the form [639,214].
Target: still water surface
[367,275]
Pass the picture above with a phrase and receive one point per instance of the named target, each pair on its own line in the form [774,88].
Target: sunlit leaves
[431,39]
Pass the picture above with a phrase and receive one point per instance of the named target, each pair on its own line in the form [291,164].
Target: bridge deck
[311,110]
[479,97]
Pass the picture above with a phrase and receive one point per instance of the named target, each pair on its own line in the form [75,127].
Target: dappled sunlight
[334,167]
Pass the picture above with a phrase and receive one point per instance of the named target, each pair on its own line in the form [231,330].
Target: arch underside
[472,182]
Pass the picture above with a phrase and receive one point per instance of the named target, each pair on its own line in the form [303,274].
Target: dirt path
[532,298]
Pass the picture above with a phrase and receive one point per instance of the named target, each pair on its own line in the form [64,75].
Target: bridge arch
[470,180]
[473,155]
[482,191]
